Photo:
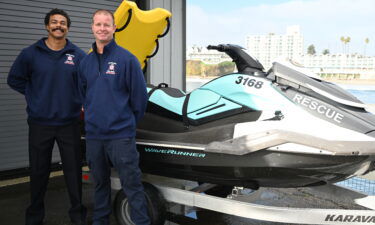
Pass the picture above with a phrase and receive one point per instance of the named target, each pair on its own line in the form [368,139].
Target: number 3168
[249,82]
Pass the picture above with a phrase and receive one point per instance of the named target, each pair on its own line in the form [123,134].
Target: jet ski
[281,128]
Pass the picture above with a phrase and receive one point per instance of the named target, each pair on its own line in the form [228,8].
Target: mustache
[58,29]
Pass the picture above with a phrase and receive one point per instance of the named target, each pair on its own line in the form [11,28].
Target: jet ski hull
[264,168]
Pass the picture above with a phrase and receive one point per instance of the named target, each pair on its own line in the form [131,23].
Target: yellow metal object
[143,29]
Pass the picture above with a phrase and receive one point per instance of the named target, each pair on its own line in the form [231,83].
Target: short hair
[56,12]
[103,11]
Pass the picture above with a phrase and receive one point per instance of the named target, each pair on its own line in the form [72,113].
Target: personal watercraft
[281,128]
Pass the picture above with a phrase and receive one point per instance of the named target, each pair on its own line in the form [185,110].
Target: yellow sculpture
[138,30]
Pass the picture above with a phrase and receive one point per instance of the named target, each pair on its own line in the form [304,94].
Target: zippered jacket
[113,91]
[48,79]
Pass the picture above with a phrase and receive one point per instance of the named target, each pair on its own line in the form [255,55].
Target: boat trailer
[162,190]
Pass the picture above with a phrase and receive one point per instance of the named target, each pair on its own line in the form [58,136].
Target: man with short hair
[115,99]
[46,73]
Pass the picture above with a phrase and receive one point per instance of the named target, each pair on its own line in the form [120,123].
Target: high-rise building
[267,48]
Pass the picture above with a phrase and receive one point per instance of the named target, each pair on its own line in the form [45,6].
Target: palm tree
[366,43]
[342,39]
[345,41]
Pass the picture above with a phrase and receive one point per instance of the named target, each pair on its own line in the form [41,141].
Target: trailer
[162,191]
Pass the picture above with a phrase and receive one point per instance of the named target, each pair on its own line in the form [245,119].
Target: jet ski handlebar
[244,62]
[220,48]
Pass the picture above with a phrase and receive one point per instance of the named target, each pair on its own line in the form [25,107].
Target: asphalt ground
[14,198]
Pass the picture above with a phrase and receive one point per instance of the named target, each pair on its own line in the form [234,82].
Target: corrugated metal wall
[168,65]
[21,24]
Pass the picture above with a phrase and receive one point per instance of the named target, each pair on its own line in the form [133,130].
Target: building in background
[267,48]
[206,56]
[340,66]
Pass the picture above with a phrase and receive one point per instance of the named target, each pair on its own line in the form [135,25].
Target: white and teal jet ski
[281,128]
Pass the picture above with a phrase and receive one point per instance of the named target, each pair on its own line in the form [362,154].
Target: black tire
[156,206]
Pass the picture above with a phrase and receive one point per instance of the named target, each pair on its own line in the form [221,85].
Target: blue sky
[221,6]
[322,22]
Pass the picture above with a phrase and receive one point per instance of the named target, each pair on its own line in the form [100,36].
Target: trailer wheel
[156,206]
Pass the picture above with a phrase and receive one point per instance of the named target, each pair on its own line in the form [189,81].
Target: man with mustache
[115,99]
[46,74]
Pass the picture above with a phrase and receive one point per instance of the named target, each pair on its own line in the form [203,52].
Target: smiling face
[103,27]
[57,26]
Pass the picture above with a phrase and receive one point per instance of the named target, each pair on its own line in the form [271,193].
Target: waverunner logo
[175,152]
[111,68]
[69,59]
[319,108]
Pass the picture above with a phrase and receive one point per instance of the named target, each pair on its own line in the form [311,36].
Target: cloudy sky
[322,22]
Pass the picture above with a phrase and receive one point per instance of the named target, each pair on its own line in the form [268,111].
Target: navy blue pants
[41,141]
[123,155]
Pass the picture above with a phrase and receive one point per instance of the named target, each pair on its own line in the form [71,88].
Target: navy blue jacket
[48,79]
[114,93]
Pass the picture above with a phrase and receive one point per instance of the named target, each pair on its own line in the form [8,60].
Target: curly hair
[56,12]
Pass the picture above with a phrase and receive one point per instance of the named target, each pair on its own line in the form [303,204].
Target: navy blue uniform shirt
[48,79]
[114,93]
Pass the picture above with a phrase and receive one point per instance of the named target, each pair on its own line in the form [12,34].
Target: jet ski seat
[201,116]
[174,99]
[199,106]
[166,97]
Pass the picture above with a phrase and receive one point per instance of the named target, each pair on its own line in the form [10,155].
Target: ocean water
[366,96]
[194,83]
[365,93]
